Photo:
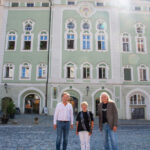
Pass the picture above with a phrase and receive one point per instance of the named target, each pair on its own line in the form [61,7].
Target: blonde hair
[104,93]
[84,103]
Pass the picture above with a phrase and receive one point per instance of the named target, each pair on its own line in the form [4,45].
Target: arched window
[41,71]
[137,99]
[70,71]
[25,71]
[12,39]
[101,36]
[86,71]
[43,38]
[102,71]
[70,36]
[27,37]
[140,39]
[86,36]
[125,42]
[143,72]
[137,104]
[8,71]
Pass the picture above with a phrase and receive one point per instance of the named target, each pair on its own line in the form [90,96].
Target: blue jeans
[62,130]
[110,138]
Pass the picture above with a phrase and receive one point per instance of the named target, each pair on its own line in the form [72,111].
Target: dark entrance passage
[32,104]
[138,113]
[74,101]
[96,106]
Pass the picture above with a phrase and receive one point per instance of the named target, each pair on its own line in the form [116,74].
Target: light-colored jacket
[112,114]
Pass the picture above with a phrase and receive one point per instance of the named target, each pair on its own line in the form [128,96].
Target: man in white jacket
[63,121]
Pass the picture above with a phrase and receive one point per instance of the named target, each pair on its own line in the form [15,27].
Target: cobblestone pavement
[27,136]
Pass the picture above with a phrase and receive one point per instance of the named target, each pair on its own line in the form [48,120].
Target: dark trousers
[62,131]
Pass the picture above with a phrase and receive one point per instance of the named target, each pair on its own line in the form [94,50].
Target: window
[11,41]
[14,4]
[143,76]
[101,42]
[101,36]
[99,4]
[137,99]
[86,71]
[127,74]
[30,4]
[27,42]
[70,35]
[137,8]
[8,71]
[70,74]
[125,42]
[102,71]
[86,26]
[70,41]
[140,44]
[143,73]
[45,4]
[27,37]
[71,3]
[86,42]
[42,71]
[140,39]
[25,71]
[43,41]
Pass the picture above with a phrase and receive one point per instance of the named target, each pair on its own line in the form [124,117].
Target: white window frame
[37,71]
[7,40]
[129,42]
[65,70]
[39,40]
[104,65]
[91,70]
[137,104]
[147,73]
[131,68]
[145,47]
[86,32]
[70,31]
[20,71]
[4,71]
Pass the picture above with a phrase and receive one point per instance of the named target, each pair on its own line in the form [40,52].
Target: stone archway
[32,104]
[97,101]
[138,105]
[74,100]
[31,91]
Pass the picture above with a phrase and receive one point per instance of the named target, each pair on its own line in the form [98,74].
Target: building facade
[84,47]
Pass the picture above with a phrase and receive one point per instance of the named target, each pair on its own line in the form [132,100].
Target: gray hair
[104,93]
[65,93]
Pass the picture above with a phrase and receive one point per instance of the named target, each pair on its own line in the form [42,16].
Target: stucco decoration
[86,9]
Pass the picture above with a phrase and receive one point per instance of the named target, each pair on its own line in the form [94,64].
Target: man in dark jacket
[108,120]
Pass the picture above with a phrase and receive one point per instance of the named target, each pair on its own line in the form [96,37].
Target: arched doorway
[97,100]
[74,100]
[137,106]
[32,104]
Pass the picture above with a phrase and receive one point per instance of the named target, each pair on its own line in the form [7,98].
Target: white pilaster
[115,46]
[56,53]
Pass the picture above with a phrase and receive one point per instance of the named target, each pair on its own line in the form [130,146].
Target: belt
[63,121]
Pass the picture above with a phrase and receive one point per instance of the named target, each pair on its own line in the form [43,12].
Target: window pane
[11,45]
[43,45]
[70,44]
[45,4]
[27,45]
[127,74]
